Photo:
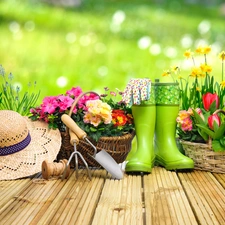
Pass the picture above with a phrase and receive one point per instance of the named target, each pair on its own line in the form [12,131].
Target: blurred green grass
[96,44]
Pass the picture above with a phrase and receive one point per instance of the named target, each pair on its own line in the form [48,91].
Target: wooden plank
[165,200]
[88,203]
[9,190]
[220,178]
[66,195]
[34,196]
[214,194]
[179,207]
[195,188]
[43,212]
[120,202]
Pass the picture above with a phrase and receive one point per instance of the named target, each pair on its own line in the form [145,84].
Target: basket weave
[118,147]
[204,157]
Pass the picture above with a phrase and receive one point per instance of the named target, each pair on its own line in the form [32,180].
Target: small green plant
[11,97]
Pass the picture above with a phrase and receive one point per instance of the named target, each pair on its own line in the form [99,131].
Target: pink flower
[64,102]
[49,104]
[213,118]
[208,99]
[112,93]
[187,124]
[74,92]
[184,120]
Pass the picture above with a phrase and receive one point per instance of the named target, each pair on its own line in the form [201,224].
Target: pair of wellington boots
[155,126]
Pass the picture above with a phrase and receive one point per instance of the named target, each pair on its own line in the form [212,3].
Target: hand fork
[74,141]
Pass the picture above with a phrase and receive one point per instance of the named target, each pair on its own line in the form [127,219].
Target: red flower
[208,99]
[119,118]
[212,118]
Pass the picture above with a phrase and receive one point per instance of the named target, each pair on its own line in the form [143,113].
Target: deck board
[206,196]
[160,198]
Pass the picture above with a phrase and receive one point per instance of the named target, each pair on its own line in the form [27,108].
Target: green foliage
[11,97]
[216,135]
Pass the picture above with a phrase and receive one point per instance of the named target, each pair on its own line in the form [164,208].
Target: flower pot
[204,157]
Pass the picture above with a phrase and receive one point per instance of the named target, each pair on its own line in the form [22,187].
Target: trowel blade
[108,163]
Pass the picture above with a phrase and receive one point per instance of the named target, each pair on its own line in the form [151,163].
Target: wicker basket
[204,157]
[117,147]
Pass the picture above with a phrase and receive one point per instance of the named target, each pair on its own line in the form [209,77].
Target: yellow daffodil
[203,50]
[222,84]
[222,55]
[188,54]
[206,68]
[166,73]
[195,72]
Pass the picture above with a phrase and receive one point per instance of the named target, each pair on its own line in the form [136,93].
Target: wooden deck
[161,197]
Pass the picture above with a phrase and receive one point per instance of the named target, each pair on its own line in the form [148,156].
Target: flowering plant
[97,115]
[11,97]
[201,116]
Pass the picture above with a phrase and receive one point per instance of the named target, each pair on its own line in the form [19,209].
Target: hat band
[15,148]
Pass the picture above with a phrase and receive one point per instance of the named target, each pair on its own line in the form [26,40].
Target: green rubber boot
[142,158]
[167,108]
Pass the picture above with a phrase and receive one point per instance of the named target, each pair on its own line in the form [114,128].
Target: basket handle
[75,103]
[77,100]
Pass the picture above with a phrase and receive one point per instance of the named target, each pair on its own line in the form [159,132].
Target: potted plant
[201,121]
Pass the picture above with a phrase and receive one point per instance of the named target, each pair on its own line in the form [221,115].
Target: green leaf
[219,133]
[217,147]
[206,130]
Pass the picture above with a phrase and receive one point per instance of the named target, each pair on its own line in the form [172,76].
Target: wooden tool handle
[73,138]
[70,123]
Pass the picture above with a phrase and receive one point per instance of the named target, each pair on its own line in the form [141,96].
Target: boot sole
[139,167]
[175,165]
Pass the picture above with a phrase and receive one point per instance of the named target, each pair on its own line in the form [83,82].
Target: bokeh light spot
[29,26]
[155,49]
[118,17]
[85,40]
[71,38]
[61,81]
[144,42]
[186,41]
[103,71]
[170,52]
[204,27]
[14,27]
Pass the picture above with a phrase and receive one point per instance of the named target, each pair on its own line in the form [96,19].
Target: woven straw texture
[117,147]
[45,144]
[204,157]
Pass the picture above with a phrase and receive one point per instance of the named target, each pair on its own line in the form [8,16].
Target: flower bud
[208,99]
[199,111]
[211,119]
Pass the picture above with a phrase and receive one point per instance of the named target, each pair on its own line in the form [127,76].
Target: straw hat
[24,145]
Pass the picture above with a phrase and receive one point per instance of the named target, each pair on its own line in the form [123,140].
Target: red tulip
[212,118]
[208,99]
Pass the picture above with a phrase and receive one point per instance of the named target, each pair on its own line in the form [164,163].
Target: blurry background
[99,43]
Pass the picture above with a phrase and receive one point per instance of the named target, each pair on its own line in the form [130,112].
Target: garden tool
[102,157]
[74,141]
[167,108]
[51,169]
[140,94]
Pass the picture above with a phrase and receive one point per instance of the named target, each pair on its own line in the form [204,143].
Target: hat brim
[45,145]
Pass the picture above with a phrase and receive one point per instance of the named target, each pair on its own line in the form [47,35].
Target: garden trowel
[102,157]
